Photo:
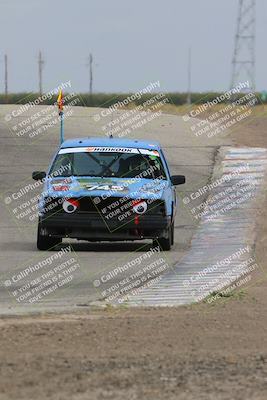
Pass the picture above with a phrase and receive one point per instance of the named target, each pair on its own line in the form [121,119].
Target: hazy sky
[133,43]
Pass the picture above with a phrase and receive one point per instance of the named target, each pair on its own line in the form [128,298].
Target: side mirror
[178,180]
[38,175]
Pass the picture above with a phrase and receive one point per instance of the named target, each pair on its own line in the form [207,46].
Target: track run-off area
[214,228]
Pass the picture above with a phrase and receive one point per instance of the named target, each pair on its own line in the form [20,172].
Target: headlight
[140,207]
[70,205]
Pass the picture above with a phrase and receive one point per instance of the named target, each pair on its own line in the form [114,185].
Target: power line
[40,72]
[90,65]
[189,73]
[6,79]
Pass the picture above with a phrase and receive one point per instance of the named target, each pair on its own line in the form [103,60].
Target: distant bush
[107,99]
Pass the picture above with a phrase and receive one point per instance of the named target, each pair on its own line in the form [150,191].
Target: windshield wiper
[87,175]
[107,167]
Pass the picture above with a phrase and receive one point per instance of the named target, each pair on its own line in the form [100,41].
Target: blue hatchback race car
[107,189]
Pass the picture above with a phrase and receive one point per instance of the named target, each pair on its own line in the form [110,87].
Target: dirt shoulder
[196,352]
[186,353]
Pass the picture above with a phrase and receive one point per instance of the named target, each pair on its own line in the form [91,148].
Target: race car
[107,189]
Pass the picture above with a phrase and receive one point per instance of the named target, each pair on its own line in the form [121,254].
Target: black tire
[172,233]
[166,243]
[46,242]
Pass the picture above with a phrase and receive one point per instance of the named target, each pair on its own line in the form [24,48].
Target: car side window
[62,165]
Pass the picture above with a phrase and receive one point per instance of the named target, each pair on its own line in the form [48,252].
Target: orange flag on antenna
[60,101]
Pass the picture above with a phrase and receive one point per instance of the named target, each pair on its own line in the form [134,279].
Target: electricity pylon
[244,52]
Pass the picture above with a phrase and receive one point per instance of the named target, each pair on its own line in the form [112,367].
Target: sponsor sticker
[128,150]
[105,187]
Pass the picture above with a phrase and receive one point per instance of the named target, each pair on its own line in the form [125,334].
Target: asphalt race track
[187,154]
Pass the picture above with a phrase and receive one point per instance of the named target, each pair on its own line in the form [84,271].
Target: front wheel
[166,243]
[46,242]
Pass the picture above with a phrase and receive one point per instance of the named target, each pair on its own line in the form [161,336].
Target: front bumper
[92,226]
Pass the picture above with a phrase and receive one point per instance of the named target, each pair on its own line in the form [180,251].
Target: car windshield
[108,164]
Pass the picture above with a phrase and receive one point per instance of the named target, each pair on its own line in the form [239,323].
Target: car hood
[119,187]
